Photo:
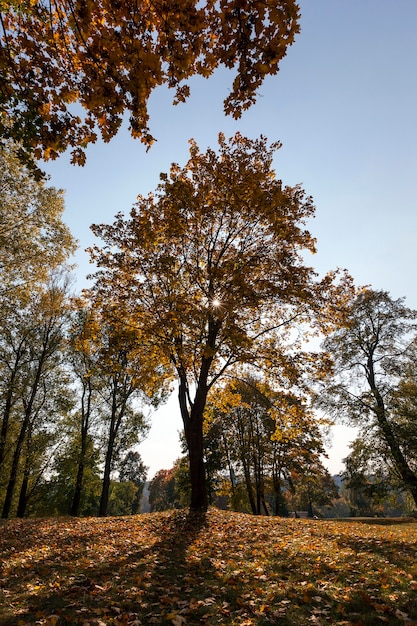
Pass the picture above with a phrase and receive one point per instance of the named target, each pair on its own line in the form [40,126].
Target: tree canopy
[34,241]
[108,56]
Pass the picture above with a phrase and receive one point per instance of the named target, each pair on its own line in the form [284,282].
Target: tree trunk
[409,478]
[245,464]
[117,413]
[21,507]
[76,500]
[105,491]
[249,489]
[14,469]
[5,423]
[85,419]
[8,404]
[193,428]
[193,419]
[199,496]
[19,445]
[229,466]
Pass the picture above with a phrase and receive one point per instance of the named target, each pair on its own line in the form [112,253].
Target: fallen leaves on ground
[223,568]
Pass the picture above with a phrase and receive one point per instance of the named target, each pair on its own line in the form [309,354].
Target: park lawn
[224,568]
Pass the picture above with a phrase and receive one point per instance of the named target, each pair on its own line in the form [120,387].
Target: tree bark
[193,418]
[407,475]
[9,402]
[75,507]
[22,434]
[105,491]
[76,500]
[193,428]
[21,507]
[117,413]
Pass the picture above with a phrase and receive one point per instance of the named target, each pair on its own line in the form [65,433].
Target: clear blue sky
[344,105]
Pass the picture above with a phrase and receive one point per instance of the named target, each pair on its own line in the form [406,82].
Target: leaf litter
[221,568]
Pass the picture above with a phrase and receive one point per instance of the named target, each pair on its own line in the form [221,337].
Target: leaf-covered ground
[225,568]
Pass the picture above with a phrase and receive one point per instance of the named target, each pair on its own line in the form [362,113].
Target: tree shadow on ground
[151,582]
[180,568]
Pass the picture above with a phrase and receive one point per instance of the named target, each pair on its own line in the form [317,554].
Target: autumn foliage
[209,271]
[108,56]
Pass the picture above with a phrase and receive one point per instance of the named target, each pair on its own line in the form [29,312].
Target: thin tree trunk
[117,413]
[8,404]
[14,469]
[76,500]
[229,466]
[105,491]
[21,507]
[5,422]
[408,476]
[85,417]
[19,445]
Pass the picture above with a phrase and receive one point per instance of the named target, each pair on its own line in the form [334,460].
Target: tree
[34,241]
[84,356]
[368,477]
[113,377]
[270,441]
[312,485]
[403,406]
[109,56]
[210,272]
[34,244]
[370,352]
[44,436]
[125,425]
[247,427]
[58,491]
[162,494]
[132,470]
[44,322]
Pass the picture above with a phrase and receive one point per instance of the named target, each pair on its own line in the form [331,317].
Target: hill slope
[225,568]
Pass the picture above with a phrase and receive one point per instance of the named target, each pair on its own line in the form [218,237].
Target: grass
[223,568]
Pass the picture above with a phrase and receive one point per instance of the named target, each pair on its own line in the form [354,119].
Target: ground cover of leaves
[222,568]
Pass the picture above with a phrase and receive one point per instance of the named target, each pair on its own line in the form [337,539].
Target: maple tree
[371,350]
[162,494]
[109,56]
[210,272]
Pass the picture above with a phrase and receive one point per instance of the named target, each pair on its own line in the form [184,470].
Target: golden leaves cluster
[108,56]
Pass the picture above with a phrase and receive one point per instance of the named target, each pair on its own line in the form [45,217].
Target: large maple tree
[109,55]
[210,270]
